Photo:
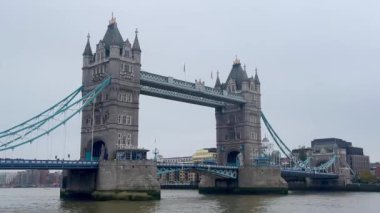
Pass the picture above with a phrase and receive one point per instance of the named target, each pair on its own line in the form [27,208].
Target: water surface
[47,200]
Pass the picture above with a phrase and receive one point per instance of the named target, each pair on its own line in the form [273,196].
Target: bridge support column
[127,180]
[260,180]
[114,180]
[324,184]
[251,180]
[78,184]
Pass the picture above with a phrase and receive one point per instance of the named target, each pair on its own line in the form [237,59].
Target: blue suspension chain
[85,100]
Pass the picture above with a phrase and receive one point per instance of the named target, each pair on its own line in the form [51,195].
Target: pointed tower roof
[128,43]
[218,85]
[112,36]
[87,50]
[136,44]
[238,74]
[257,81]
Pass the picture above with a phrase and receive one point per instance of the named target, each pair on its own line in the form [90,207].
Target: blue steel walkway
[20,164]
[216,170]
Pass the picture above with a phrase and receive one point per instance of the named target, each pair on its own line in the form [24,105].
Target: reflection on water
[47,200]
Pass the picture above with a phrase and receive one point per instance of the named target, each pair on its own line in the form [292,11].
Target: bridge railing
[47,164]
[195,165]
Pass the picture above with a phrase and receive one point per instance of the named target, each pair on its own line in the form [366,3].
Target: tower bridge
[111,164]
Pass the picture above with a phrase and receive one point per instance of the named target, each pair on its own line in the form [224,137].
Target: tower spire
[136,44]
[87,50]
[218,85]
[113,19]
[257,81]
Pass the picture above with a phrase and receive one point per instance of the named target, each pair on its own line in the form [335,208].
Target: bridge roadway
[217,170]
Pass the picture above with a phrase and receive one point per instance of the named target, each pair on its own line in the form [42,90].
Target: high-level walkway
[178,90]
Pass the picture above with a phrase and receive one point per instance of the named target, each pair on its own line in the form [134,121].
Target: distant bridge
[230,172]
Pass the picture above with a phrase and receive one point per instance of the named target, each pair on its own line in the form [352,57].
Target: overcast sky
[318,63]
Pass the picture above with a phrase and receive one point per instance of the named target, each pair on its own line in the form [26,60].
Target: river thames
[47,200]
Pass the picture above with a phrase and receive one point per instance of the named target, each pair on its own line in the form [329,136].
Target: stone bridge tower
[112,122]
[238,129]
[110,126]
[238,140]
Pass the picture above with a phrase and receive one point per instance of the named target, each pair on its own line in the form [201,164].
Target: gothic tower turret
[111,123]
[136,51]
[87,53]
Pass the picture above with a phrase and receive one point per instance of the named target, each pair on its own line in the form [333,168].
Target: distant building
[377,172]
[3,177]
[358,163]
[204,155]
[375,169]
[186,159]
[325,148]
[33,178]
[303,152]
[207,155]
[183,176]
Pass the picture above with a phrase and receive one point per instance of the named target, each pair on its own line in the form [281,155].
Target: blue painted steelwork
[220,171]
[311,174]
[9,164]
[298,165]
[177,96]
[41,118]
[324,167]
[186,88]
[19,135]
[230,172]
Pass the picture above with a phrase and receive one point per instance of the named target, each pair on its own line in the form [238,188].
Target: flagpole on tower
[184,70]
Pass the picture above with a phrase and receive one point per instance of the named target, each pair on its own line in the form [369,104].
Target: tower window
[124,119]
[126,53]
[125,68]
[97,119]
[129,97]
[129,120]
[119,140]
[125,97]
[124,141]
[129,139]
[254,135]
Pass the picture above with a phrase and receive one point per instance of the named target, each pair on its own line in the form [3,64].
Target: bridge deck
[20,164]
[218,170]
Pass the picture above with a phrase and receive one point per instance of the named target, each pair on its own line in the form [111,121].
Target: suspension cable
[67,100]
[84,101]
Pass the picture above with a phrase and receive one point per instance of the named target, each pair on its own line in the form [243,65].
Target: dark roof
[112,36]
[238,74]
[213,149]
[87,49]
[330,141]
[218,85]
[257,81]
[128,43]
[136,44]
